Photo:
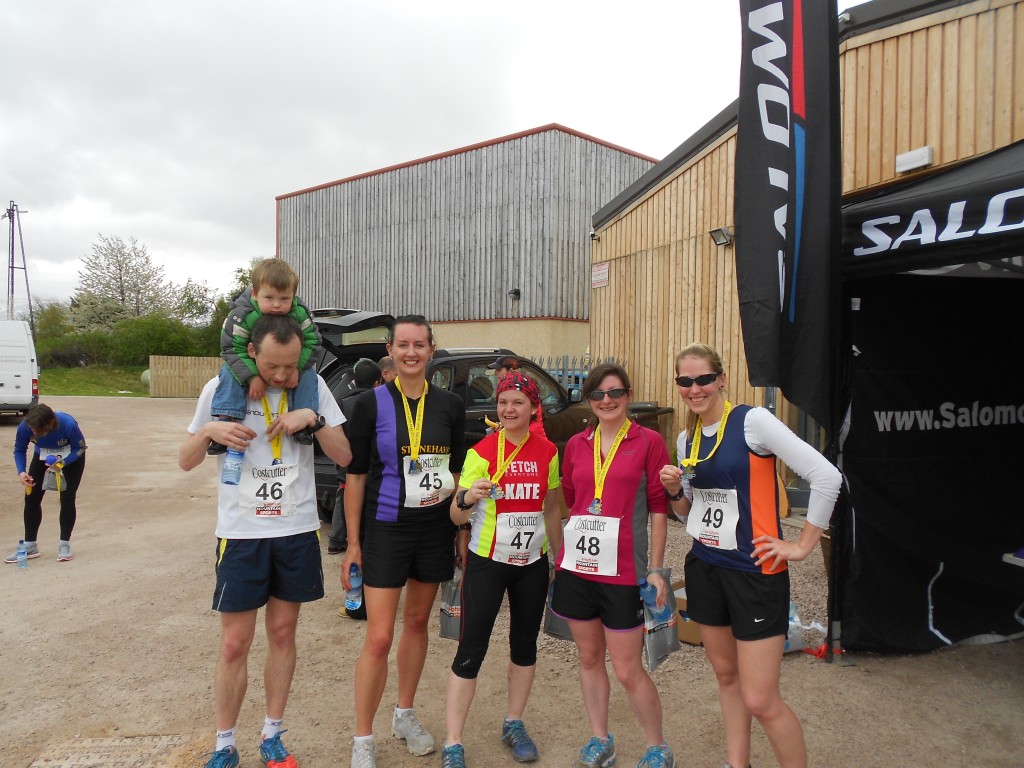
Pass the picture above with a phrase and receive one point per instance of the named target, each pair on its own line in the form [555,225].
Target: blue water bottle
[649,594]
[22,554]
[232,472]
[354,597]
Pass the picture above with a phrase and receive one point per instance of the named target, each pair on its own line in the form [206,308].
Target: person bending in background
[59,450]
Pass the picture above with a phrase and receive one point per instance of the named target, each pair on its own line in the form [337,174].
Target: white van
[19,372]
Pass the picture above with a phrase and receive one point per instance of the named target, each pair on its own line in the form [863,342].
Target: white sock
[225,739]
[271,727]
[29,544]
[64,541]
[362,741]
[403,712]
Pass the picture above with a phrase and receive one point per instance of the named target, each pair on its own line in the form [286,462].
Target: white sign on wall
[599,275]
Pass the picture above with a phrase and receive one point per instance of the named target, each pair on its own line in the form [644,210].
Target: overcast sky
[177,123]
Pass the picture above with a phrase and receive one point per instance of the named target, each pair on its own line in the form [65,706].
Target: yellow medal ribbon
[692,461]
[601,468]
[282,408]
[502,463]
[415,429]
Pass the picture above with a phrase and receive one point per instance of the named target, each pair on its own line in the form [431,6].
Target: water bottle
[232,472]
[649,594]
[354,597]
[22,554]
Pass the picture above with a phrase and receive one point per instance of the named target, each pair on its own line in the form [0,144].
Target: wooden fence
[180,376]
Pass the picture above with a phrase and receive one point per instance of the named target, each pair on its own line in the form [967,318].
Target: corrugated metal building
[451,235]
[947,75]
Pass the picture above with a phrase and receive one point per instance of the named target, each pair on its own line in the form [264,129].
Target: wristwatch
[320,424]
[679,496]
[460,500]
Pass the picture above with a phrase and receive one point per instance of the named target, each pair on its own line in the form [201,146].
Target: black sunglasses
[701,381]
[598,394]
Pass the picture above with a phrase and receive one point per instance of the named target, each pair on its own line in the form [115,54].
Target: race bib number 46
[267,491]
[591,545]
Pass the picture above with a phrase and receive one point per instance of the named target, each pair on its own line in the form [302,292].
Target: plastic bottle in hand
[649,594]
[22,554]
[354,597]
[232,472]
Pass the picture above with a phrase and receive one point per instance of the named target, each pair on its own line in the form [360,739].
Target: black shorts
[422,549]
[577,599]
[755,605]
[251,571]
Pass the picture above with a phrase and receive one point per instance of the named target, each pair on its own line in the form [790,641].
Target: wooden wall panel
[953,81]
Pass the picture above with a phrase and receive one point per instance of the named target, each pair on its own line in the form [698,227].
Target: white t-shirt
[235,522]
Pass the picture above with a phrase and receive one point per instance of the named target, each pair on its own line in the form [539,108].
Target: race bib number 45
[591,545]
[431,484]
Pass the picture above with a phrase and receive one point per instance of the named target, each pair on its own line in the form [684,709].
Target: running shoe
[659,756]
[32,551]
[409,728]
[453,757]
[274,754]
[597,753]
[223,758]
[364,756]
[513,733]
[64,551]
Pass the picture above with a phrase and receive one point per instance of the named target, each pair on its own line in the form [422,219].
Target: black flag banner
[787,198]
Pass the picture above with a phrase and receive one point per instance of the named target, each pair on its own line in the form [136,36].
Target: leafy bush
[75,350]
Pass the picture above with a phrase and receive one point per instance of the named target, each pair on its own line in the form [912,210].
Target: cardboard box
[688,631]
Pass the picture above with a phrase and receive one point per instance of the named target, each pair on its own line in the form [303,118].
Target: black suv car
[349,335]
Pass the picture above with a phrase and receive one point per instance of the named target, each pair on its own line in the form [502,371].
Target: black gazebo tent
[932,445]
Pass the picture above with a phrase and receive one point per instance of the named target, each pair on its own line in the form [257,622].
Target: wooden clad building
[491,241]
[944,75]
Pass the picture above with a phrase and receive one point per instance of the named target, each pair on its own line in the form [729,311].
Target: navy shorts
[755,605]
[618,606]
[421,548]
[251,571]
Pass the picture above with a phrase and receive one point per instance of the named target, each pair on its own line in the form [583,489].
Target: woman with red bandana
[508,501]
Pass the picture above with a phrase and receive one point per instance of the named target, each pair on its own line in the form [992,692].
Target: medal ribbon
[415,429]
[601,468]
[692,461]
[502,463]
[282,407]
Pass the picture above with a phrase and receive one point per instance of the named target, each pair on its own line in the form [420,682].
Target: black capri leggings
[34,498]
[483,588]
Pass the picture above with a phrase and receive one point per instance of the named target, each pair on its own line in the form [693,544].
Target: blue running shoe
[597,753]
[274,754]
[223,758]
[513,733]
[453,756]
[659,756]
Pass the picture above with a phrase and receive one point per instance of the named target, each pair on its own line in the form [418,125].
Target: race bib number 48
[591,545]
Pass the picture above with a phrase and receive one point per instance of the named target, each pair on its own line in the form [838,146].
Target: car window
[482,386]
[441,377]
[549,393]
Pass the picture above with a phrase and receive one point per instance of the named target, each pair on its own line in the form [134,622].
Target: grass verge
[105,380]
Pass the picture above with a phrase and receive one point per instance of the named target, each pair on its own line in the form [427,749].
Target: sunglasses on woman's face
[701,381]
[598,394]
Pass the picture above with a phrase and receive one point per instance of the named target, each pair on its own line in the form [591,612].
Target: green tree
[123,274]
[53,320]
[195,302]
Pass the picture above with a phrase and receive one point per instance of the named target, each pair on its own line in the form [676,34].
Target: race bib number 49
[714,516]
[591,545]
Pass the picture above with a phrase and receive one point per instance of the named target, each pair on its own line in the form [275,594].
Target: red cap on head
[519,381]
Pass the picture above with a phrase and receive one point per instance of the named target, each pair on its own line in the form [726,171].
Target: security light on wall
[515,294]
[721,235]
